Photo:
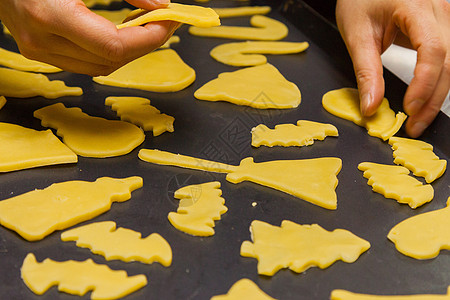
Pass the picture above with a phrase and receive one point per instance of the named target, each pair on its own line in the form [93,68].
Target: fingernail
[366,103]
[418,128]
[414,107]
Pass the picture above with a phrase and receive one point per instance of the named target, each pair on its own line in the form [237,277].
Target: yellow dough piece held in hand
[244,289]
[241,11]
[17,61]
[345,295]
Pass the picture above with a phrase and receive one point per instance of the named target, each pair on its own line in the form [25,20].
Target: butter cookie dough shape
[346,295]
[244,289]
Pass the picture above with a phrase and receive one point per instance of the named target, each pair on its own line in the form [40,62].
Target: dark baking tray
[203,267]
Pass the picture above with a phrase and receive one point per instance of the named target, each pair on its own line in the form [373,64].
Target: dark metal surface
[203,267]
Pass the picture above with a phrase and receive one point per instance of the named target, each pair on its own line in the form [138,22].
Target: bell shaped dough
[2,101]
[241,11]
[17,61]
[244,289]
[345,295]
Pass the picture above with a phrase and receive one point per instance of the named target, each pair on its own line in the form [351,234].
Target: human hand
[370,27]
[68,35]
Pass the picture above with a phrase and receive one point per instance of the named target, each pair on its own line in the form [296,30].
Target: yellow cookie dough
[241,11]
[78,278]
[36,214]
[174,39]
[200,206]
[264,29]
[345,295]
[138,111]
[424,235]
[21,84]
[302,134]
[159,71]
[123,244]
[259,87]
[244,289]
[418,157]
[344,103]
[2,101]
[24,148]
[17,61]
[245,54]
[394,182]
[299,247]
[90,136]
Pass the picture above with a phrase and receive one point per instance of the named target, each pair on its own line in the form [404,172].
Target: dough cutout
[138,111]
[245,54]
[302,134]
[264,29]
[2,101]
[90,136]
[24,148]
[200,205]
[394,182]
[38,213]
[159,71]
[242,11]
[17,61]
[299,247]
[122,244]
[78,278]
[91,3]
[346,295]
[259,87]
[244,289]
[424,235]
[418,157]
[344,103]
[313,180]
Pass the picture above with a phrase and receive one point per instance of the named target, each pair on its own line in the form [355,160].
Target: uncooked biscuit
[244,289]
[19,62]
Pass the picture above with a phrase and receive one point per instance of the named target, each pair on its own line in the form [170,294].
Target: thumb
[149,4]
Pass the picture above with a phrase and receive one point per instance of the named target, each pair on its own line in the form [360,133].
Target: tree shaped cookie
[241,11]
[78,278]
[299,247]
[345,295]
[394,182]
[17,61]
[244,289]
[36,214]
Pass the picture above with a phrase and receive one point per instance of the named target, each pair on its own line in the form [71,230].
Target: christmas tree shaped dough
[244,289]
[299,247]
[36,214]
[259,87]
[90,136]
[345,295]
[159,71]
[2,101]
[23,148]
[78,278]
[241,11]
[344,103]
[17,61]
[123,244]
[424,235]
[138,111]
[200,206]
[394,182]
[302,134]
[418,157]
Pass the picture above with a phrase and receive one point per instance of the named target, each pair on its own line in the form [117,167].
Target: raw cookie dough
[78,278]
[299,247]
[394,182]
[302,134]
[159,71]
[23,148]
[200,205]
[2,101]
[244,289]
[345,295]
[90,136]
[241,11]
[418,157]
[424,235]
[344,103]
[313,180]
[264,29]
[36,214]
[245,54]
[259,87]
[174,39]
[21,84]
[17,61]
[123,244]
[138,111]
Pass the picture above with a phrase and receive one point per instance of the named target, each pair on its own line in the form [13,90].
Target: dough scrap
[91,3]
[38,213]
[313,180]
[23,148]
[259,87]
[189,14]
[418,157]
[244,289]
[299,247]
[17,61]
[78,278]
[200,206]
[394,182]
[345,295]
[245,54]
[138,111]
[242,11]
[21,84]
[344,103]
[123,244]
[90,136]
[2,101]
[159,71]
[424,235]
[302,134]
[264,29]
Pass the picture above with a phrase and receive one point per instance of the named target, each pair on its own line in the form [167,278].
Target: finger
[78,66]
[149,4]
